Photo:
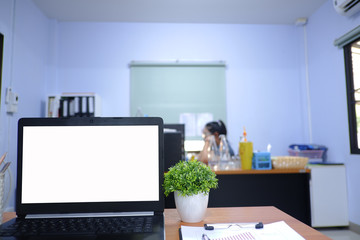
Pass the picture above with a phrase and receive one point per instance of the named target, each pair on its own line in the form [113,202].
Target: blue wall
[328,94]
[26,32]
[264,84]
[266,87]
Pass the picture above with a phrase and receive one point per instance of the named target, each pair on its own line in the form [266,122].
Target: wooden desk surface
[241,214]
[8,216]
[233,214]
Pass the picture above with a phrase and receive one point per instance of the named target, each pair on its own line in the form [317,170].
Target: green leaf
[189,178]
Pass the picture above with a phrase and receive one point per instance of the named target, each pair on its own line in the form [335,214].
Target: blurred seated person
[216,129]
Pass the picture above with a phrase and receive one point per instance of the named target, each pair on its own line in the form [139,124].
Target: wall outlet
[11,101]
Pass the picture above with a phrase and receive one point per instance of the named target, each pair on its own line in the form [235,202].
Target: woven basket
[286,162]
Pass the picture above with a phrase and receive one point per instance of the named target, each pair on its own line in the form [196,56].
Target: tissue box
[261,160]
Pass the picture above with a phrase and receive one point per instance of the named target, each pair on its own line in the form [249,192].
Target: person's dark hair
[218,126]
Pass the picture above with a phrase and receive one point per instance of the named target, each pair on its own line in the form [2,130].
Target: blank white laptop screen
[72,164]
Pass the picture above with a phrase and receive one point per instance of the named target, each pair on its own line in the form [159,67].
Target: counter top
[271,171]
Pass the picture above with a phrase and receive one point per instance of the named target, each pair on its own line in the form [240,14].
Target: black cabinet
[288,191]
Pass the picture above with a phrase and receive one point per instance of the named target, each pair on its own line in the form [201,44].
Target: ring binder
[74,105]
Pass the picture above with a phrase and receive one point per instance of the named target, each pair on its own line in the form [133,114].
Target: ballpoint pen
[6,166]
[2,158]
[256,225]
[205,237]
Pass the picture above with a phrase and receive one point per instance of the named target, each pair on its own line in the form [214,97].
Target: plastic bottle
[224,148]
[224,153]
[246,152]
[213,154]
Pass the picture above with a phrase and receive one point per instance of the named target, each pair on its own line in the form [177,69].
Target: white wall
[264,74]
[26,32]
[328,95]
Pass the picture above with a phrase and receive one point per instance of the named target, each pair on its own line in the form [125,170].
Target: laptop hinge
[78,215]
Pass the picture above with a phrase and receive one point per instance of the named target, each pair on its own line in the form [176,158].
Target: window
[174,89]
[352,69]
[350,42]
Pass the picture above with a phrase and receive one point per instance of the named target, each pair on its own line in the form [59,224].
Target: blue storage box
[261,161]
[315,153]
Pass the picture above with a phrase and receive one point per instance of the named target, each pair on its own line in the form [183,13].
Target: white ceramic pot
[191,209]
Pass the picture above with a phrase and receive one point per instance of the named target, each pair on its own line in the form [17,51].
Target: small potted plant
[191,182]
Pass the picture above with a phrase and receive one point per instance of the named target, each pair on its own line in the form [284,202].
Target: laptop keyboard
[78,226]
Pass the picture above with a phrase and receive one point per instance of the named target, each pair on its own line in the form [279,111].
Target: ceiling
[181,11]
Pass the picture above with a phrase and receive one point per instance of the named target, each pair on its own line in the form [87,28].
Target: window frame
[1,60]
[351,102]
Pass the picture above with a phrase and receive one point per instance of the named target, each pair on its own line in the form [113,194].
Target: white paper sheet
[195,122]
[201,120]
[189,119]
[273,231]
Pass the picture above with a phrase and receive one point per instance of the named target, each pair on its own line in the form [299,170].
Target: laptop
[90,168]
